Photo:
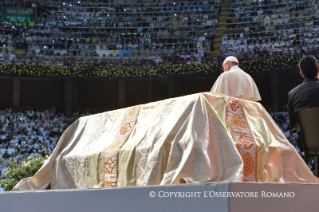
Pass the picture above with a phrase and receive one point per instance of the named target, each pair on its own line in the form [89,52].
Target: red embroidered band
[241,132]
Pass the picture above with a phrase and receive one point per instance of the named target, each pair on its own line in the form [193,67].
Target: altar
[214,197]
[196,139]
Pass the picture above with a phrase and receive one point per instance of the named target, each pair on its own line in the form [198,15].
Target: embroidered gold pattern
[234,104]
[115,146]
[238,123]
[132,110]
[109,183]
[248,164]
[244,140]
[109,165]
[110,154]
[240,130]
[126,128]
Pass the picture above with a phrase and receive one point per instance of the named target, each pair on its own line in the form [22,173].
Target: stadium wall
[6,91]
[105,94]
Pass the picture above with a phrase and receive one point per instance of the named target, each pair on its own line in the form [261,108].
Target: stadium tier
[112,31]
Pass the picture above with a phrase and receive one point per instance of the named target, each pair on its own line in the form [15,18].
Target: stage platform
[219,197]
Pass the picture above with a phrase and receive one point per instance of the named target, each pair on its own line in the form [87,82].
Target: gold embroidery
[110,154]
[244,140]
[109,165]
[109,183]
[238,123]
[132,111]
[115,146]
[126,128]
[234,104]
[242,135]
[248,164]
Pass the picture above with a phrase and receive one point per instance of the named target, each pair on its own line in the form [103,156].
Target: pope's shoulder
[234,71]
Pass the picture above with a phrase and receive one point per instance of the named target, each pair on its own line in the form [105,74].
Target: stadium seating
[270,28]
[115,32]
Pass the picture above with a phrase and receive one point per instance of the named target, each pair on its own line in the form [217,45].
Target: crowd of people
[160,32]
[271,28]
[142,29]
[30,133]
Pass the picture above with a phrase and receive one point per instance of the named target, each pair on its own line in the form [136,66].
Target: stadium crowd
[144,30]
[75,32]
[171,31]
[271,28]
[32,132]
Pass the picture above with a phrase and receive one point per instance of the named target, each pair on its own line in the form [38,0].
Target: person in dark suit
[305,95]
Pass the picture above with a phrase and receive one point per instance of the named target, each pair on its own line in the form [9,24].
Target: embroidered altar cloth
[199,138]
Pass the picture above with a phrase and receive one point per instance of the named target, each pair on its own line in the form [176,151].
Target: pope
[235,82]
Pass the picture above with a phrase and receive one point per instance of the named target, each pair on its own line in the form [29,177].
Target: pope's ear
[302,74]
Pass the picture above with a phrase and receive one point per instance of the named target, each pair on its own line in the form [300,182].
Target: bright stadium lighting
[108,15]
[63,3]
[84,19]
[79,2]
[124,10]
[63,16]
[70,5]
[12,27]
[174,3]
[175,14]
[197,19]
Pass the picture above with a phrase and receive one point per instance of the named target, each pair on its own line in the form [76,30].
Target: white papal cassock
[237,83]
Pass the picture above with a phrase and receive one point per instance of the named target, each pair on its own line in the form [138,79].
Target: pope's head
[230,62]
